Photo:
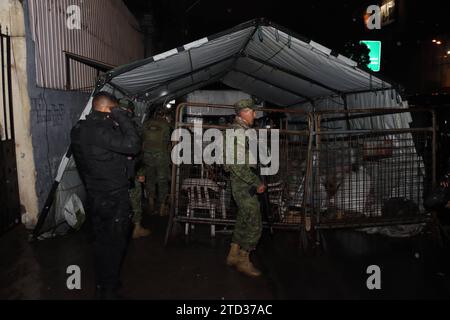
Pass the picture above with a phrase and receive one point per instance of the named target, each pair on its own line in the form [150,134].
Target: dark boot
[163,211]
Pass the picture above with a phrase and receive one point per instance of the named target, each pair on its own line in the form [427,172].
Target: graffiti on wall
[52,114]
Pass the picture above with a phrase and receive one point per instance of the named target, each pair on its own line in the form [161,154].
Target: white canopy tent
[257,57]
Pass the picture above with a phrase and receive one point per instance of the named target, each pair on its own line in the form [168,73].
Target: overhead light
[434,40]
[172,102]
[168,106]
[448,52]
[438,42]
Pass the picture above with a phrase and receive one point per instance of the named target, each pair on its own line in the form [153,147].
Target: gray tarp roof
[257,57]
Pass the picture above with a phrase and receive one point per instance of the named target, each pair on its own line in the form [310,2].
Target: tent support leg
[45,211]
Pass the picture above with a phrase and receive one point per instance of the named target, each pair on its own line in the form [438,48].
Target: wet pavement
[410,268]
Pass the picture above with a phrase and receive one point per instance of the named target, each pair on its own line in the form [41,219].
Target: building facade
[59,50]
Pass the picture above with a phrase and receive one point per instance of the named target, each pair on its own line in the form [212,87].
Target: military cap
[126,103]
[244,104]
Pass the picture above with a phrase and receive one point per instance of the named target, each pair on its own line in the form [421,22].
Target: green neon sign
[375,54]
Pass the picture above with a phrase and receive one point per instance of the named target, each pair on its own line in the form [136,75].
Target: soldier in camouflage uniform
[136,175]
[156,157]
[136,204]
[244,179]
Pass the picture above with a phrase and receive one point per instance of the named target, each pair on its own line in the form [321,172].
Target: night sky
[328,22]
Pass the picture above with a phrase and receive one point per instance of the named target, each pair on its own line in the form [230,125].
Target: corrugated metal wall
[109,33]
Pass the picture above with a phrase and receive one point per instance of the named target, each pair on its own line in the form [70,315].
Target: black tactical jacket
[101,145]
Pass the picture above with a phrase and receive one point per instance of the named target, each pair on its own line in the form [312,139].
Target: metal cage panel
[335,171]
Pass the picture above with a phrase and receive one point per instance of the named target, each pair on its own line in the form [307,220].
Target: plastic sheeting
[355,186]
[68,211]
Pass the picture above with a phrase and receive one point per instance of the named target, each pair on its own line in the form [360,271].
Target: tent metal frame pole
[372,90]
[347,116]
[44,212]
[298,102]
[244,47]
[274,85]
[191,65]
[293,73]
[124,92]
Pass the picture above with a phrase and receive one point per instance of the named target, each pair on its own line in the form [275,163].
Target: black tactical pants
[111,221]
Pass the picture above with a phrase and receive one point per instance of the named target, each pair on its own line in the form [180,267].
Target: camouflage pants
[248,228]
[136,201]
[157,175]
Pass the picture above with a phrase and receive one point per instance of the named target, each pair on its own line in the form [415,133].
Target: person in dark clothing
[136,177]
[101,146]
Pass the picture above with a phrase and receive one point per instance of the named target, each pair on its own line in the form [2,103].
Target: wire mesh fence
[201,193]
[367,169]
[336,169]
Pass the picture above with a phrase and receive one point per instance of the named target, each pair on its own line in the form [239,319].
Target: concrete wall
[43,117]
[12,16]
[53,113]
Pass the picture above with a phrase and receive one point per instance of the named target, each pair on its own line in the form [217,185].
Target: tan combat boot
[140,232]
[233,255]
[163,210]
[245,266]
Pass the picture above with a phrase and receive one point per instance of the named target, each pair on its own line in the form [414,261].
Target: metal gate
[201,193]
[9,191]
[369,170]
[338,169]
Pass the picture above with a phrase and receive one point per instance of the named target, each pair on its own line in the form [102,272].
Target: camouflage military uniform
[248,228]
[136,197]
[135,186]
[156,137]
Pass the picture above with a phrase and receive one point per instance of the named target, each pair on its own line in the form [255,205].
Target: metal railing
[364,174]
[338,169]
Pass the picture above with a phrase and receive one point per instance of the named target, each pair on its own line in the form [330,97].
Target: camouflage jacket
[156,135]
[245,173]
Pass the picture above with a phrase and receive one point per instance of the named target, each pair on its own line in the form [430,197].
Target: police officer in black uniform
[101,145]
